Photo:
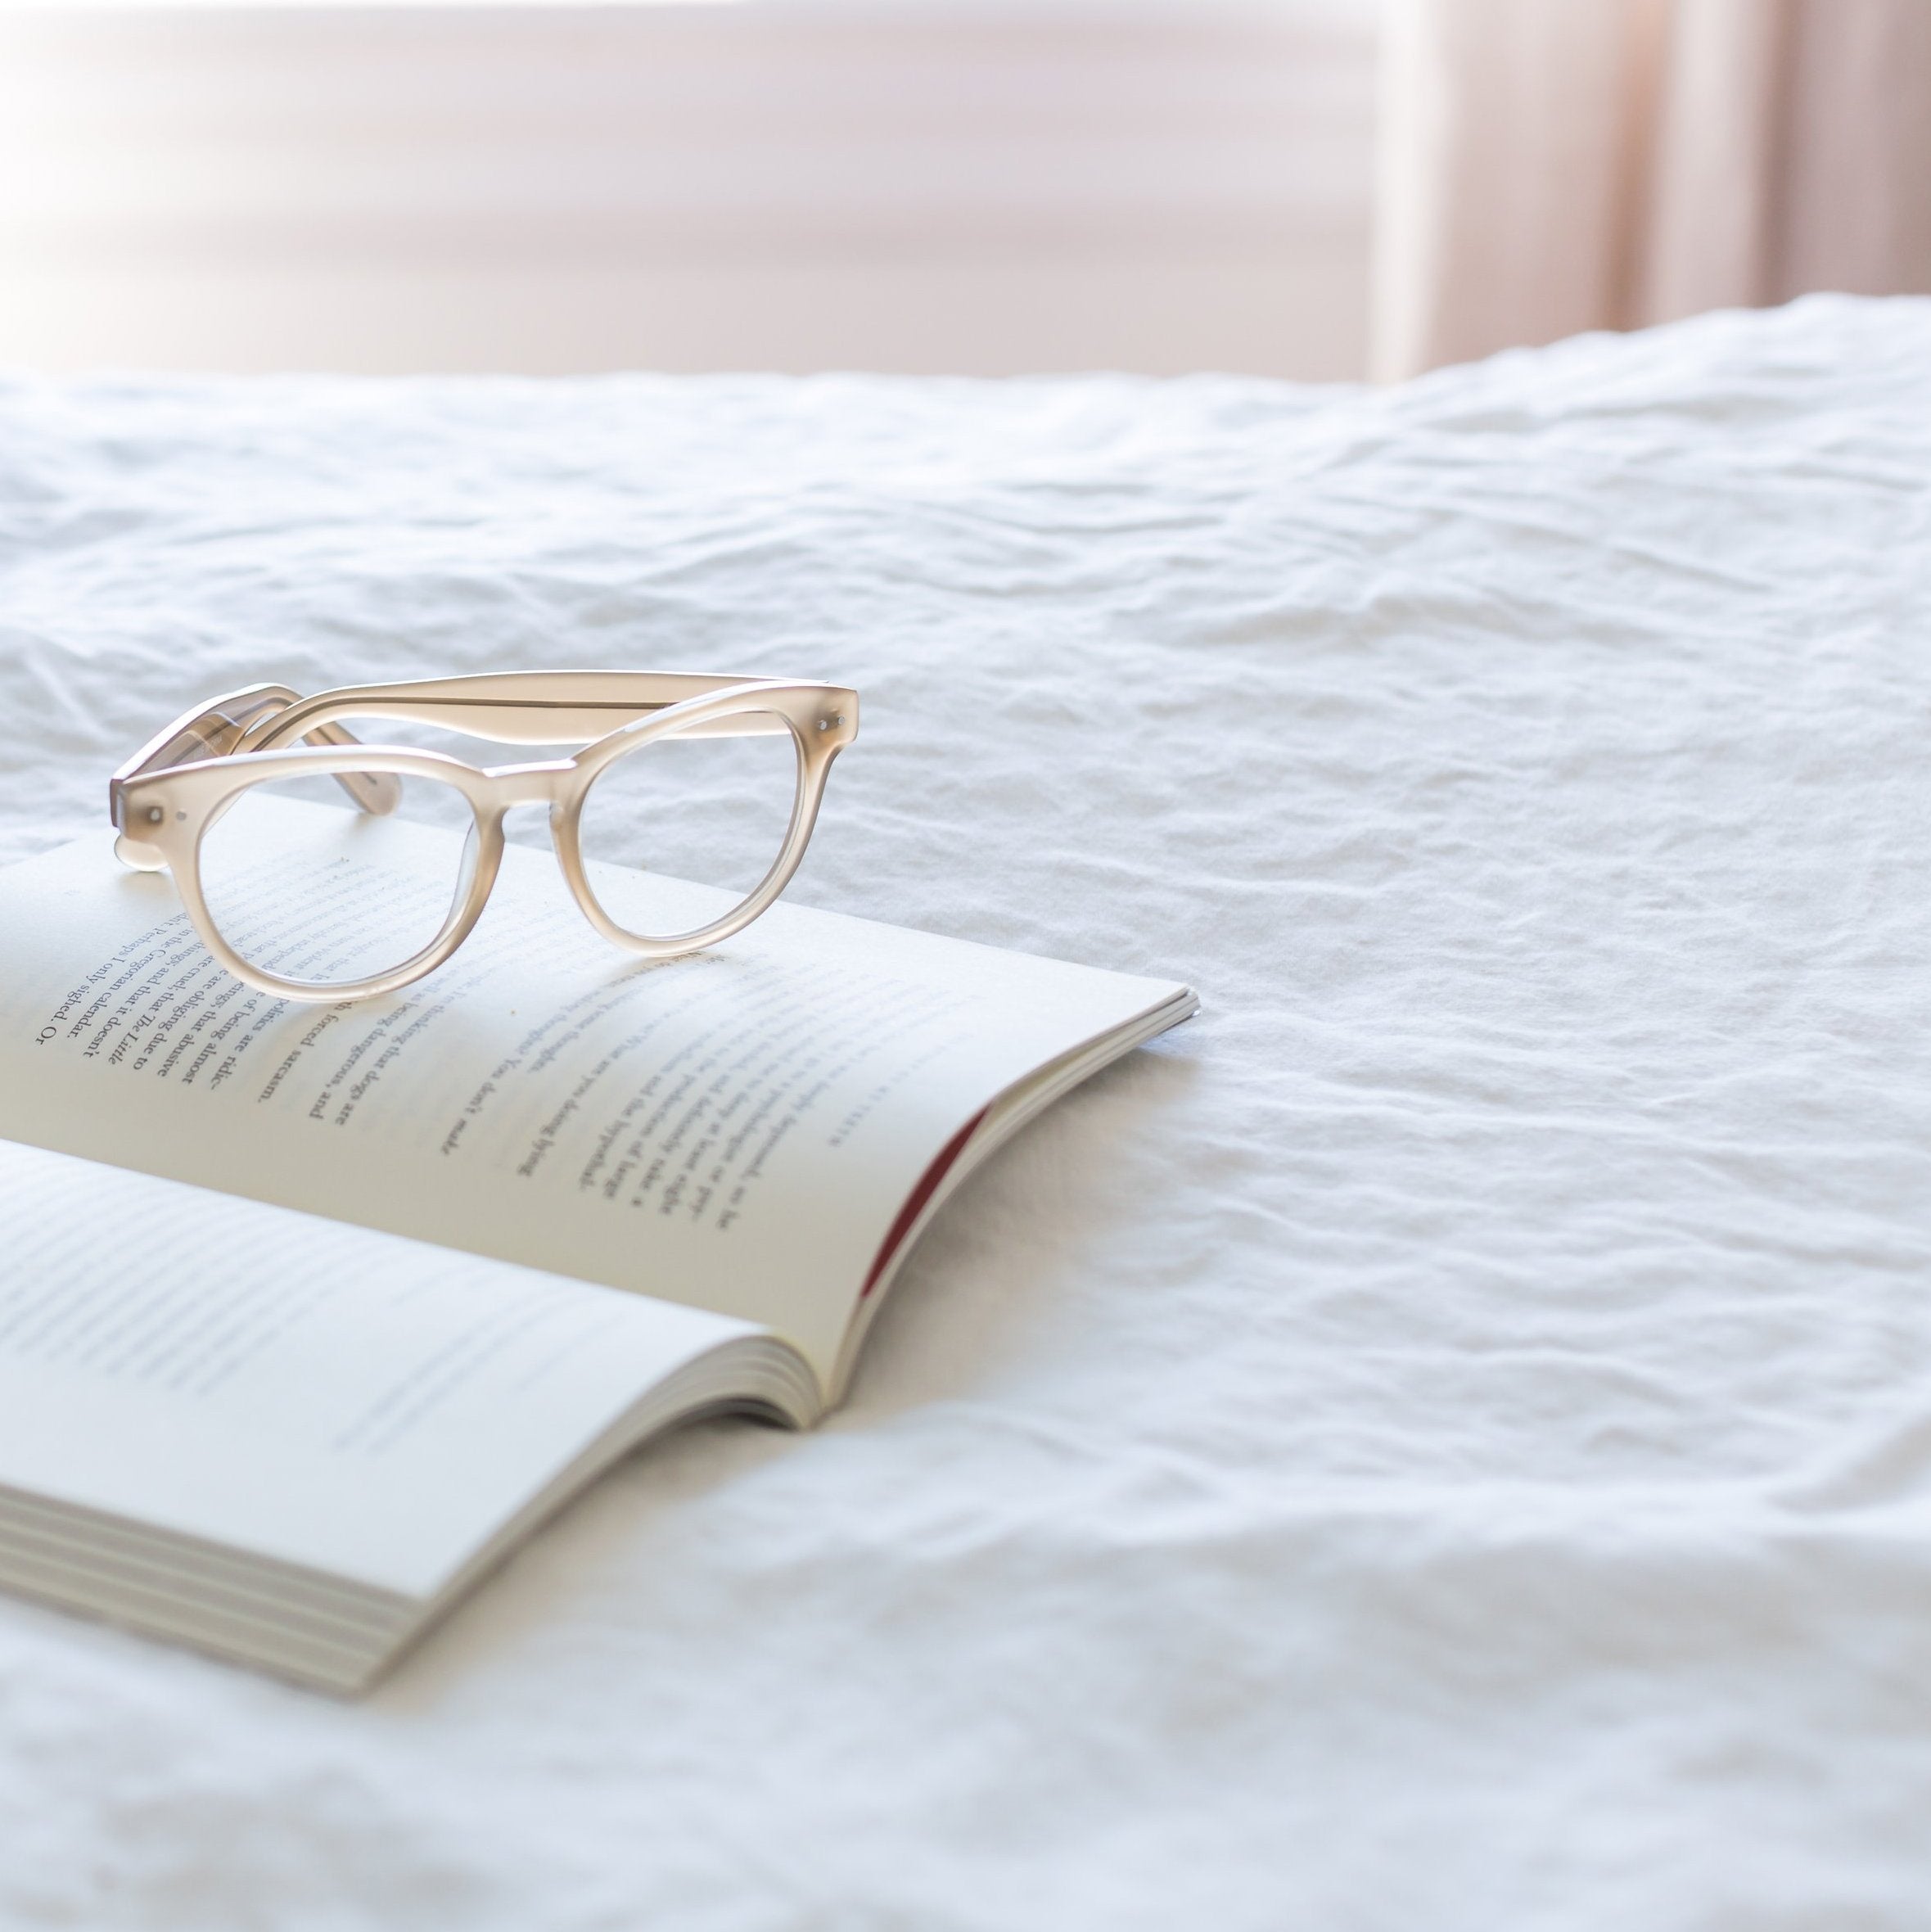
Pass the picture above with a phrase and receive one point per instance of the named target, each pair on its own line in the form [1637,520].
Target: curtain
[1548,166]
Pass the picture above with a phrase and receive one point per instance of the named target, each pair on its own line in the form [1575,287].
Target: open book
[293,1427]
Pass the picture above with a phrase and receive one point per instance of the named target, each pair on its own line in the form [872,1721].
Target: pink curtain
[1553,165]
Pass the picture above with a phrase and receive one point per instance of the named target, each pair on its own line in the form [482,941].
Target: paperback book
[310,1314]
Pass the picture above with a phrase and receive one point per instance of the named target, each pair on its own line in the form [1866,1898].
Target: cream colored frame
[165,797]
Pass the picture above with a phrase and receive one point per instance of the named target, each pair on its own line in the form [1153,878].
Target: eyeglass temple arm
[517,707]
[217,728]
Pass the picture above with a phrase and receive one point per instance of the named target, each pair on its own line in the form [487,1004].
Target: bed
[1445,1438]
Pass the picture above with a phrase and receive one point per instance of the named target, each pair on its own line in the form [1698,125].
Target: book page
[294,1388]
[738,1128]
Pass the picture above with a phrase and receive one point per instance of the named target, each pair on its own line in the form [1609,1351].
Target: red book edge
[928,1186]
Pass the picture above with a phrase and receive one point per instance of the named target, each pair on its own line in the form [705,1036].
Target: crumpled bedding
[1442,1440]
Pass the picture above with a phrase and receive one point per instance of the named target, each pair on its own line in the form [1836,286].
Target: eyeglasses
[318,867]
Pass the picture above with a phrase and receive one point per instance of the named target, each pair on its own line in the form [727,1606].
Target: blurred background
[1306,188]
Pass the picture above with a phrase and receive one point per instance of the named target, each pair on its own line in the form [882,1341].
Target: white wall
[973,185]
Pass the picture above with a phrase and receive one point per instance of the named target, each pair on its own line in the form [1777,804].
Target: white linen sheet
[1445,1439]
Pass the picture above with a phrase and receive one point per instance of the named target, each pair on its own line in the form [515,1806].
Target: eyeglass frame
[165,800]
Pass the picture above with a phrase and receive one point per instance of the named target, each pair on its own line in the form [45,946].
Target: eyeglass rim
[191,797]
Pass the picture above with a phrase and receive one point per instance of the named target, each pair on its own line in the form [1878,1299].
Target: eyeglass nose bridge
[547,784]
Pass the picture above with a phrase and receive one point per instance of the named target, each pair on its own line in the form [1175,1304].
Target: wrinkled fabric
[1444,1438]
